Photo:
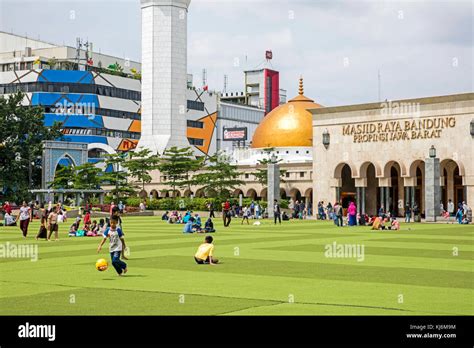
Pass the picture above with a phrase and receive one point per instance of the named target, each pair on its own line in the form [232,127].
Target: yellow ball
[101,265]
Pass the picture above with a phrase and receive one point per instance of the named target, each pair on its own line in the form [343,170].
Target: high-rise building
[96,99]
[261,89]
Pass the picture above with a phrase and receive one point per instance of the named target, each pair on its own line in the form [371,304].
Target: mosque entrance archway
[295,195]
[54,151]
[348,189]
[372,198]
[452,187]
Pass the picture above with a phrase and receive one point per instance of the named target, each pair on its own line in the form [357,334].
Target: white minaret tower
[164,74]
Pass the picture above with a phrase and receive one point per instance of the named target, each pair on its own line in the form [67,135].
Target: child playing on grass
[116,247]
[73,230]
[204,252]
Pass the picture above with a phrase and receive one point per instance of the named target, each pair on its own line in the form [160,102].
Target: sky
[418,48]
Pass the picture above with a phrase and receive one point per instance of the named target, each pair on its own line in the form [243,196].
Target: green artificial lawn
[423,269]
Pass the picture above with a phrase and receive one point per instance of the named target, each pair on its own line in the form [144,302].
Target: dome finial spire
[301,89]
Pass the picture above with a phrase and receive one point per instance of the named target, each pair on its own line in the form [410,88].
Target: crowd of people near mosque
[384,218]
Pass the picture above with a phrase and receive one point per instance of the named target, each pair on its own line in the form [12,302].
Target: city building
[95,105]
[261,90]
[102,107]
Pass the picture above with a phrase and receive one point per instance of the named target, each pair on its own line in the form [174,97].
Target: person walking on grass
[210,206]
[351,214]
[116,246]
[226,213]
[407,213]
[53,224]
[245,215]
[451,208]
[43,230]
[25,216]
[339,213]
[258,209]
[276,212]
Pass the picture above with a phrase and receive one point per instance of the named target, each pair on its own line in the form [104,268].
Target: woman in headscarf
[351,213]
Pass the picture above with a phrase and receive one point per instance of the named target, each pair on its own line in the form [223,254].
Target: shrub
[181,203]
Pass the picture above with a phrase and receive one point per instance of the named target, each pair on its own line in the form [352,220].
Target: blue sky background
[422,48]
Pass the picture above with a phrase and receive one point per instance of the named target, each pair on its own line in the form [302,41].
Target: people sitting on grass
[467,219]
[197,224]
[188,226]
[209,226]
[9,220]
[371,220]
[73,230]
[94,227]
[285,216]
[172,217]
[376,223]
[187,217]
[101,225]
[77,222]
[395,225]
[204,254]
[165,216]
[362,219]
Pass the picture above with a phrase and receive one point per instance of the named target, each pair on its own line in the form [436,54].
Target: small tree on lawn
[118,177]
[219,176]
[87,176]
[63,178]
[178,166]
[139,165]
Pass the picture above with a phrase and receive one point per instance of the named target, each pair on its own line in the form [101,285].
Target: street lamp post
[432,186]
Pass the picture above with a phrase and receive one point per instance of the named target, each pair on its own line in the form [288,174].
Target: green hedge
[198,204]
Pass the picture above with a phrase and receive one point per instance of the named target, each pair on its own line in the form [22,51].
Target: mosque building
[285,132]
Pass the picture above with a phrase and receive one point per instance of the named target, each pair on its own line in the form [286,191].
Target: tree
[118,177]
[88,177]
[261,173]
[22,133]
[220,176]
[84,177]
[140,163]
[178,164]
[52,62]
[63,178]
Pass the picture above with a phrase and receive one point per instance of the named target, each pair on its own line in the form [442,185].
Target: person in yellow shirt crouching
[204,252]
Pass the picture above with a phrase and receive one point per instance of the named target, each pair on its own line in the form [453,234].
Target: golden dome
[288,125]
